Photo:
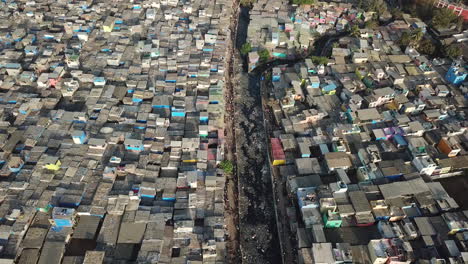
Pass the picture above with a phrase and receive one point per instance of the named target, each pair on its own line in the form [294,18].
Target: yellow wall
[278,162]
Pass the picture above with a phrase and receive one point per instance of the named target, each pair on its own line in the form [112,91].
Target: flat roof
[52,252]
[87,227]
[131,233]
[368,114]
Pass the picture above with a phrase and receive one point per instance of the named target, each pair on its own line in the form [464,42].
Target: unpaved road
[231,209]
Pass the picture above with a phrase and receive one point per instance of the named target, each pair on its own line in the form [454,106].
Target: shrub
[264,55]
[226,166]
[426,47]
[452,51]
[319,60]
[444,18]
[246,48]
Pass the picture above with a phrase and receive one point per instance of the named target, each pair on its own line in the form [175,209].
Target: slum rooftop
[111,131]
[361,140]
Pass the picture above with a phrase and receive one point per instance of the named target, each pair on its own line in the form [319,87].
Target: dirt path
[231,209]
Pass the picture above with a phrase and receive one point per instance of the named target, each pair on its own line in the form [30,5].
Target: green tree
[444,18]
[268,75]
[319,60]
[411,38]
[246,48]
[264,55]
[453,51]
[354,31]
[426,47]
[405,39]
[416,36]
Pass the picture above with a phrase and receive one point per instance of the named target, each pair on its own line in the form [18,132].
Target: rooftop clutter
[111,127]
[364,138]
[283,31]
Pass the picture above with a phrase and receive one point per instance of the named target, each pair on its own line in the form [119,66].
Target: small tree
[381,7]
[426,47]
[371,24]
[444,18]
[453,51]
[246,48]
[354,31]
[319,60]
[411,38]
[226,166]
[268,76]
[405,39]
[416,36]
[264,55]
